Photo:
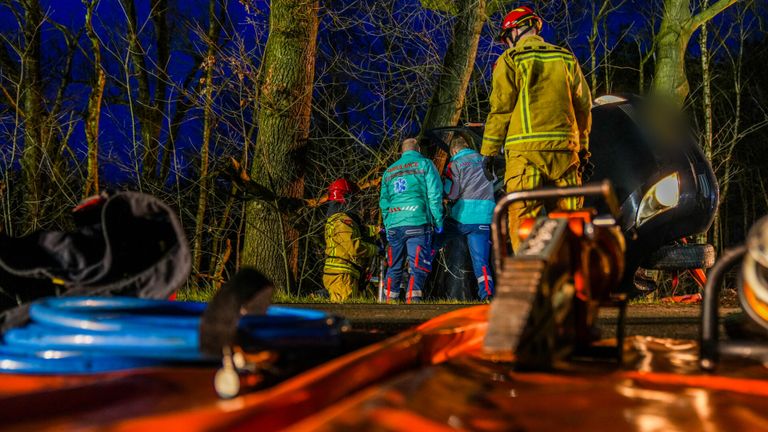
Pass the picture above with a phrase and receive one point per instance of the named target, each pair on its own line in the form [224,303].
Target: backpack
[123,243]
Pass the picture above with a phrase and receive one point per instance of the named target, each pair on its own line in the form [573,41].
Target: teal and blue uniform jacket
[411,193]
[469,189]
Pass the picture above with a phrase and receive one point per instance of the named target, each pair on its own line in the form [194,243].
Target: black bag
[125,243]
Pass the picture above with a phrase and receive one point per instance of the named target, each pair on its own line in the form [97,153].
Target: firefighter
[540,115]
[346,250]
[412,209]
[471,210]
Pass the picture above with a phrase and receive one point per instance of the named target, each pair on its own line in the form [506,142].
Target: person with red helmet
[347,243]
[540,115]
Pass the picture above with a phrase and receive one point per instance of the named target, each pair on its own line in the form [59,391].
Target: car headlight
[663,196]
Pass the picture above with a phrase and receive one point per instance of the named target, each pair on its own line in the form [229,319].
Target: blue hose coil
[96,334]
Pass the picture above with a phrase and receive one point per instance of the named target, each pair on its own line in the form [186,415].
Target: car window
[621,151]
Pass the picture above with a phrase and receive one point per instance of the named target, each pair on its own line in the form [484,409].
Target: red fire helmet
[338,190]
[519,17]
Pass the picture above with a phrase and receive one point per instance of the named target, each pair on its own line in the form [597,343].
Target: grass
[202,293]
[205,293]
[280,297]
[645,300]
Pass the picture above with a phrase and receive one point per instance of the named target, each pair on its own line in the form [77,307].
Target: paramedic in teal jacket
[412,209]
[471,196]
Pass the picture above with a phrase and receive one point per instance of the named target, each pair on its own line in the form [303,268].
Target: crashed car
[664,183]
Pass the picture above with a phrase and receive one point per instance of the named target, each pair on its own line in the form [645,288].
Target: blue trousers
[416,242]
[478,238]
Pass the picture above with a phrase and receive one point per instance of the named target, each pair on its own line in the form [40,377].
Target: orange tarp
[432,378]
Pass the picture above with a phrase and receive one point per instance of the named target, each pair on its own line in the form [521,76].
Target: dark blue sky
[374,62]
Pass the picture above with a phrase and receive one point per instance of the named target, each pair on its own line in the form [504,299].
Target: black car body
[639,145]
[665,184]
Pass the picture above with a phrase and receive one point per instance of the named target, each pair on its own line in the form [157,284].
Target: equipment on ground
[122,244]
[548,294]
[84,335]
[752,338]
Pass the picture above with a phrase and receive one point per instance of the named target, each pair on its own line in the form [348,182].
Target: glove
[438,230]
[488,168]
[586,167]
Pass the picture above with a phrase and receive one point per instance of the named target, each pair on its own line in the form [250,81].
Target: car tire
[681,257]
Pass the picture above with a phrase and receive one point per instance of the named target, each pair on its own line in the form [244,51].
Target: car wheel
[681,257]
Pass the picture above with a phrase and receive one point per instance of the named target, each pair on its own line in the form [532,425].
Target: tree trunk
[94,105]
[285,90]
[34,141]
[592,40]
[677,25]
[641,72]
[706,107]
[148,111]
[458,63]
[706,78]
[208,120]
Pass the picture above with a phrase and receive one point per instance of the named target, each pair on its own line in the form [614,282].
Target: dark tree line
[161,96]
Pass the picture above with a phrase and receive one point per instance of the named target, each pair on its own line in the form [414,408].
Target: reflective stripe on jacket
[345,249]
[540,101]
[411,193]
[470,190]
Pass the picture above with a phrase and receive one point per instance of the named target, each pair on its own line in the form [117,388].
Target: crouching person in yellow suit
[347,252]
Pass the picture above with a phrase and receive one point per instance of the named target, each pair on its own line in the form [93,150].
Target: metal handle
[603,189]
[709,345]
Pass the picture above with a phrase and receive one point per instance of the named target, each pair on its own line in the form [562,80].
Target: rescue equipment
[75,335]
[753,296]
[91,334]
[548,295]
[123,244]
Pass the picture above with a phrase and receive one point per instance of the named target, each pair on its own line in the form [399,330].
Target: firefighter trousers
[531,170]
[340,286]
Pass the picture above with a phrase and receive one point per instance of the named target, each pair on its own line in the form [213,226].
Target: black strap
[519,36]
[248,292]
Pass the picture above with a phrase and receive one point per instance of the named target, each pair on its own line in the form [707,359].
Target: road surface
[669,321]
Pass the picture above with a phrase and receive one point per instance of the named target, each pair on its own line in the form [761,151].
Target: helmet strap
[520,35]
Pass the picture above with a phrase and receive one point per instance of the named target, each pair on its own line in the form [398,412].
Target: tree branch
[709,13]
[11,101]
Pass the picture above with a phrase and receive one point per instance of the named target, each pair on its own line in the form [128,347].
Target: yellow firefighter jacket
[345,249]
[540,101]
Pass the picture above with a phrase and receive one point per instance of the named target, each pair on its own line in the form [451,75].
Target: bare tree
[35,141]
[148,105]
[285,104]
[678,23]
[733,129]
[599,16]
[93,111]
[458,63]
[208,125]
[41,126]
